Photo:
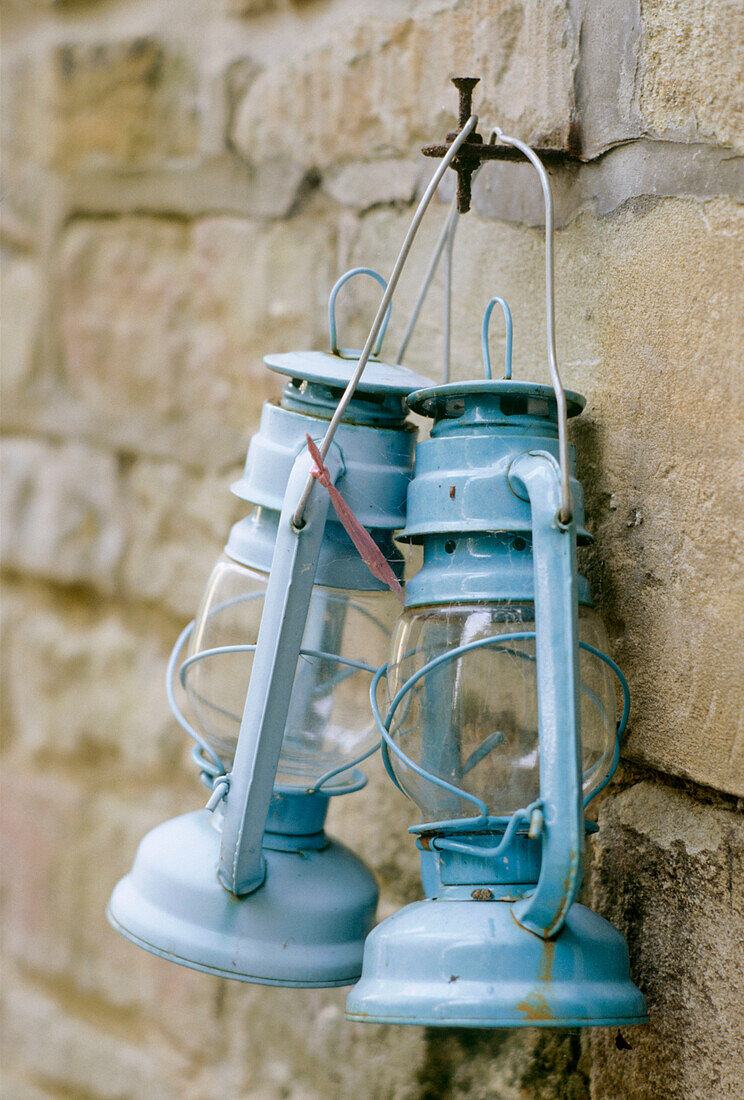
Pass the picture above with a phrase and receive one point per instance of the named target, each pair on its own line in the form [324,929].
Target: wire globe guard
[460,959]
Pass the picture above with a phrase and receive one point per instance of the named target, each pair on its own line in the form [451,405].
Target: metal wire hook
[560,396]
[446,240]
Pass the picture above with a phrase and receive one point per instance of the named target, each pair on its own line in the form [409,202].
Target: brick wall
[183,182]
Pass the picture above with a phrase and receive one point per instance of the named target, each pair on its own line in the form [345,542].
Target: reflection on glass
[329,722]
[472,721]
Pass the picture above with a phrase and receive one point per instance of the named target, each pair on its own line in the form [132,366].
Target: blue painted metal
[325,369]
[539,401]
[501,941]
[461,485]
[466,963]
[304,927]
[468,567]
[173,904]
[267,704]
[257,891]
[378,463]
[557,643]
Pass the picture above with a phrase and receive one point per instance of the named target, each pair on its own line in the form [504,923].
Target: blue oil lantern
[499,721]
[291,629]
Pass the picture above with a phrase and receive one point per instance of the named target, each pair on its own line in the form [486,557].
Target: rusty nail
[465,85]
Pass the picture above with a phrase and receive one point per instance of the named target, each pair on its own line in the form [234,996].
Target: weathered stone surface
[374,183]
[316,1054]
[21,126]
[249,7]
[635,170]
[221,184]
[61,512]
[177,525]
[662,447]
[390,849]
[382,88]
[130,102]
[606,78]
[178,197]
[82,1057]
[692,57]
[62,663]
[74,850]
[165,323]
[669,872]
[150,533]
[21,298]
[658,68]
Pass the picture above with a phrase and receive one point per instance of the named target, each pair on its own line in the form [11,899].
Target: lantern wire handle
[446,240]
[382,310]
[509,332]
[560,396]
[447,334]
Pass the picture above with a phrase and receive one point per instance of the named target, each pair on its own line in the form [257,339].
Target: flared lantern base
[304,927]
[454,963]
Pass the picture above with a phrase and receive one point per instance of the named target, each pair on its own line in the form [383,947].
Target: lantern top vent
[319,378]
[486,399]
[335,372]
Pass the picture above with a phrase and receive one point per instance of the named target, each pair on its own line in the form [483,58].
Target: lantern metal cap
[336,371]
[434,400]
[469,964]
[304,927]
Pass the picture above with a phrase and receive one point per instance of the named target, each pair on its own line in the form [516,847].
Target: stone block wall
[183,182]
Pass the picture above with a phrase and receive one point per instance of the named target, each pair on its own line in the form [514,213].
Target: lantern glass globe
[473,720]
[329,723]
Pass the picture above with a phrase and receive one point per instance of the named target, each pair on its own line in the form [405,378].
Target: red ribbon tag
[370,552]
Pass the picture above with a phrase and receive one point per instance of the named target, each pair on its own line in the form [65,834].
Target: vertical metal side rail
[537,475]
[242,868]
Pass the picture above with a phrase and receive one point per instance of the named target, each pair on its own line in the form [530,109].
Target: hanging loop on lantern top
[509,332]
[349,353]
[555,378]
[443,247]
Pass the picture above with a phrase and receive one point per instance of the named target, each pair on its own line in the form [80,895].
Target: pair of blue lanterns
[499,717]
